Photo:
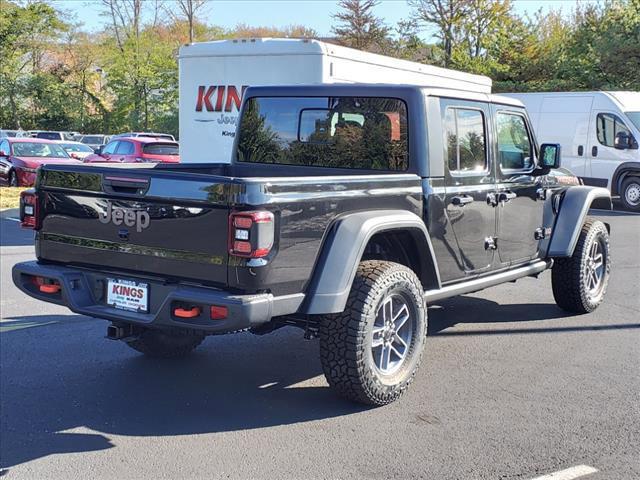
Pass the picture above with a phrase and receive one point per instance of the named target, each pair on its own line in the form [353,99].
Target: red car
[20,157]
[139,149]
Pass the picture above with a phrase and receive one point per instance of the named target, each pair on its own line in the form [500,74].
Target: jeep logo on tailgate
[126,216]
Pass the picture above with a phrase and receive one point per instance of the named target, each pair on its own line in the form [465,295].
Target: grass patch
[10,197]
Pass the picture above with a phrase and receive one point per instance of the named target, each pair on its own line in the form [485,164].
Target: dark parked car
[345,211]
[20,157]
[136,150]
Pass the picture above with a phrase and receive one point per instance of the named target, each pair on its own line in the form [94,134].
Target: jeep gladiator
[345,211]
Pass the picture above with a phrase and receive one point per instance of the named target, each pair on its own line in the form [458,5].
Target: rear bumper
[83,292]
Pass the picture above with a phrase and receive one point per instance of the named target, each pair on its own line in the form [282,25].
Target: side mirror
[98,150]
[550,155]
[623,141]
[3,153]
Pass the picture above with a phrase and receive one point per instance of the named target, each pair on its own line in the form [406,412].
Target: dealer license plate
[128,295]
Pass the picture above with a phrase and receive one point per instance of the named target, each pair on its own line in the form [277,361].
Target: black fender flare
[343,248]
[623,171]
[575,204]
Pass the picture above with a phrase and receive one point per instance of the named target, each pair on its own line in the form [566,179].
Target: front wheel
[580,282]
[630,193]
[371,351]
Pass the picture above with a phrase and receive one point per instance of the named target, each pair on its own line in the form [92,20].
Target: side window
[608,126]
[125,148]
[4,147]
[465,140]
[110,148]
[514,144]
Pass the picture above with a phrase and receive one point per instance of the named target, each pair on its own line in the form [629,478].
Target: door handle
[580,150]
[594,151]
[492,199]
[461,200]
[506,196]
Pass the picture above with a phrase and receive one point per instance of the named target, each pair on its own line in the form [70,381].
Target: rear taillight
[29,209]
[251,234]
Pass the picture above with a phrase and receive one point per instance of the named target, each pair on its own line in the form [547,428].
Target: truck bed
[186,239]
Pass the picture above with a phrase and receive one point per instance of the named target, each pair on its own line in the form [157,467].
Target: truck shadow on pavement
[470,310]
[447,313]
[66,389]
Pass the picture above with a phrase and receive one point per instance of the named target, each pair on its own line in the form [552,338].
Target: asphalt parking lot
[510,387]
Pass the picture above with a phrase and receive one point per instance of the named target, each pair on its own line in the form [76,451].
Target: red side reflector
[50,288]
[218,312]
[28,209]
[241,247]
[184,313]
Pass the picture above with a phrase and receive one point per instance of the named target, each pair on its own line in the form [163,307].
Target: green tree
[358,27]
[446,16]
[25,32]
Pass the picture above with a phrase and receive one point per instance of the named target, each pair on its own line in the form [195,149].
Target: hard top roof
[375,89]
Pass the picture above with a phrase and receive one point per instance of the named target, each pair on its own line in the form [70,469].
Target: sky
[315,14]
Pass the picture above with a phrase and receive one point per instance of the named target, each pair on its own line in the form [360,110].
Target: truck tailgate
[143,221]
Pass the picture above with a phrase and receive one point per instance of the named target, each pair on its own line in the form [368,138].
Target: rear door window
[465,141]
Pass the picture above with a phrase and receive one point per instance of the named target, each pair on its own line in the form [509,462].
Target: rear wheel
[580,282]
[161,344]
[371,351]
[630,193]
[13,179]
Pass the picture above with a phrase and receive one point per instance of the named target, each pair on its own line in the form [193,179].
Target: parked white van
[214,75]
[599,133]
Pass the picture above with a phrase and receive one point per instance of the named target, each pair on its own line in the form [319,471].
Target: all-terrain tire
[630,193]
[573,288]
[346,339]
[160,344]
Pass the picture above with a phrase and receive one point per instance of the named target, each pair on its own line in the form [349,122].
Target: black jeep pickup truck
[345,210]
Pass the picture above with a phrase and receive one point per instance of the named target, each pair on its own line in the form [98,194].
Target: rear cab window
[368,133]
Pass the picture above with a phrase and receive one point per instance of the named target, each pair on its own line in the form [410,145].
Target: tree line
[56,75]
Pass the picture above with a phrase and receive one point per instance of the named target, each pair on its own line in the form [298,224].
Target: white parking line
[569,473]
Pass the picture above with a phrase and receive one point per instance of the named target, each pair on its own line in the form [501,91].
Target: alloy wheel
[392,334]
